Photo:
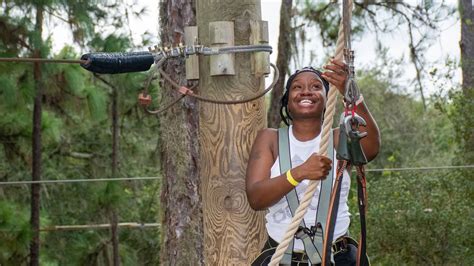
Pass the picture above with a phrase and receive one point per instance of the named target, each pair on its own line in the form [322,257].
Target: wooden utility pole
[233,232]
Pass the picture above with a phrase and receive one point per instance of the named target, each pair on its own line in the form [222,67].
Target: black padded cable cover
[115,63]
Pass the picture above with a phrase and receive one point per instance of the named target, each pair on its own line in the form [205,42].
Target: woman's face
[307,96]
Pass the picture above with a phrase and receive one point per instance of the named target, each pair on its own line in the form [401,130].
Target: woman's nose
[307,90]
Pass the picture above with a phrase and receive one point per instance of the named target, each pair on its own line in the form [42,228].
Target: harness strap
[285,165]
[313,246]
[323,203]
[332,214]
[362,259]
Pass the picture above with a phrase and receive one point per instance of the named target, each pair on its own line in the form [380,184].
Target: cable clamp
[184,90]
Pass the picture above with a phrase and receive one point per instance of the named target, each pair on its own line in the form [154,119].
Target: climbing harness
[312,236]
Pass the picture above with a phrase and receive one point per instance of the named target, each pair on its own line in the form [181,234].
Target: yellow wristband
[290,179]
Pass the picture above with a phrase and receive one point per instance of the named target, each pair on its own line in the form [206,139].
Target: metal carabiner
[352,123]
[352,92]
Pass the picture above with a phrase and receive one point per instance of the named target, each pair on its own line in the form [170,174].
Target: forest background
[416,216]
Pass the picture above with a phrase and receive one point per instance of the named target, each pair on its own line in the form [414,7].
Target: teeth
[306,101]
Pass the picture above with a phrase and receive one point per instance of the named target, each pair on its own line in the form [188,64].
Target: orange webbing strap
[332,213]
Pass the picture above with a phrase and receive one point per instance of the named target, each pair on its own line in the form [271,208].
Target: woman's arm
[337,76]
[371,143]
[263,191]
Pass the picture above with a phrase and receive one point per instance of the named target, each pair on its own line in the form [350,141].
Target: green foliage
[14,232]
[415,217]
[77,137]
[8,90]
[16,124]
[51,128]
[419,218]
[325,16]
[461,116]
[111,43]
[97,103]
[410,135]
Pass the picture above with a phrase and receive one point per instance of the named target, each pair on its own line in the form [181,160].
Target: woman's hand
[336,74]
[316,167]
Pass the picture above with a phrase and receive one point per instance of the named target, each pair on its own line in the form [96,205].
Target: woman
[303,105]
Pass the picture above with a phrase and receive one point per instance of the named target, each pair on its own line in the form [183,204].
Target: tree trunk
[467,44]
[283,60]
[115,150]
[467,65]
[233,232]
[36,145]
[182,230]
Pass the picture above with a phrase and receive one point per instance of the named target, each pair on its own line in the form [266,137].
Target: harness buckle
[303,232]
[317,230]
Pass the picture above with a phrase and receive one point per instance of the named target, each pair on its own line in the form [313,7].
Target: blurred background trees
[76,139]
[415,217]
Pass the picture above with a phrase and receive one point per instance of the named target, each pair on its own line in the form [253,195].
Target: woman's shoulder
[268,131]
[268,137]
[267,134]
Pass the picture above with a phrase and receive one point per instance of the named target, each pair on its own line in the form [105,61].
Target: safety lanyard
[362,258]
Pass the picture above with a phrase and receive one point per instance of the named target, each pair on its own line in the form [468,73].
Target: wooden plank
[222,34]
[260,60]
[192,62]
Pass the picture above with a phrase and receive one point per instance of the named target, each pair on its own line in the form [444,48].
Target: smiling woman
[307,95]
[268,187]
[297,82]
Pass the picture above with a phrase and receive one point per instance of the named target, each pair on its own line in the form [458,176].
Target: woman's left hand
[336,74]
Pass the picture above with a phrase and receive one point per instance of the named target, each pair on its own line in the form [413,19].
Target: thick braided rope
[323,148]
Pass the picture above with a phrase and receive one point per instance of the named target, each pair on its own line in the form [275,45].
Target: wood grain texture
[192,62]
[233,232]
[259,35]
[221,34]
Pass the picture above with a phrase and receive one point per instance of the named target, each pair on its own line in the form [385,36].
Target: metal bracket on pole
[259,35]
[222,34]
[192,61]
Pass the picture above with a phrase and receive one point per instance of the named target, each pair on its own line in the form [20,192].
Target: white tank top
[279,216]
